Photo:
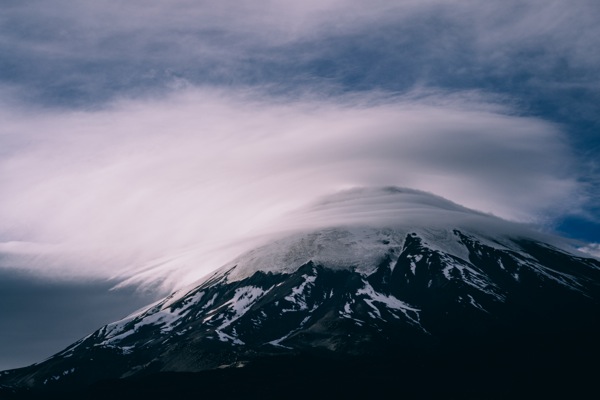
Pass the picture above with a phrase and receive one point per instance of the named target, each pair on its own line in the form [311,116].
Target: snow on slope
[353,229]
[341,220]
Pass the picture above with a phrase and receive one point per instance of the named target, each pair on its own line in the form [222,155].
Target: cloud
[592,249]
[62,52]
[108,191]
[118,146]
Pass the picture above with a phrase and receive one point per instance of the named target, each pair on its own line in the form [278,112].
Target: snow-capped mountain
[395,282]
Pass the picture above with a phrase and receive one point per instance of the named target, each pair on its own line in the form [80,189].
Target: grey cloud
[94,51]
[592,249]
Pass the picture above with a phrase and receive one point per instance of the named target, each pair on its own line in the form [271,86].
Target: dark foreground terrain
[537,365]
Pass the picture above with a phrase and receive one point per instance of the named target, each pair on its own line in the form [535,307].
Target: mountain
[409,293]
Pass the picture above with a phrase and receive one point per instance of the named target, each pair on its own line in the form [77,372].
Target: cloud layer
[134,129]
[86,53]
[139,180]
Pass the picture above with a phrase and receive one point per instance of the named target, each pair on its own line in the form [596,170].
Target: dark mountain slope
[454,310]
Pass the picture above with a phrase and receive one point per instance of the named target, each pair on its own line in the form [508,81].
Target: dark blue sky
[130,127]
[39,317]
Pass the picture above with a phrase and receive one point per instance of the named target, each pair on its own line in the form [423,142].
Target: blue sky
[135,129]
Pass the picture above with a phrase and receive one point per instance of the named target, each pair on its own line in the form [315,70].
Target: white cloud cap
[141,179]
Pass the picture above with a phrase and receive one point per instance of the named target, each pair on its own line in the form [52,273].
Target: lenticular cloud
[107,192]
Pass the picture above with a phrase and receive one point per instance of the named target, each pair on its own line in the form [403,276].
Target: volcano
[393,292]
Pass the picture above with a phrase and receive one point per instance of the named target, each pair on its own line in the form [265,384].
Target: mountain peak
[423,277]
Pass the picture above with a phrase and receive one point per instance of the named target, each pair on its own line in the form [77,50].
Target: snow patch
[223,337]
[277,342]
[390,302]
[476,305]
[592,249]
[241,302]
[470,276]
[298,296]
[210,302]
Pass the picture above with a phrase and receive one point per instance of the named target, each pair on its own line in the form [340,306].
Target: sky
[135,131]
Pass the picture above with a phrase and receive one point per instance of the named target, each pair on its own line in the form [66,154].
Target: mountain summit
[398,286]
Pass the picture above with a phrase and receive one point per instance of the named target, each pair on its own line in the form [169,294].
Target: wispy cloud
[592,249]
[132,128]
[85,53]
[140,179]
